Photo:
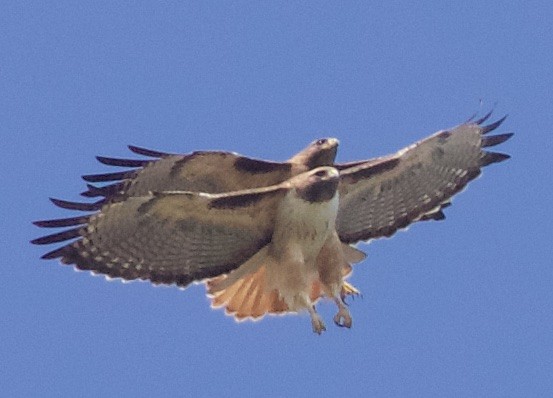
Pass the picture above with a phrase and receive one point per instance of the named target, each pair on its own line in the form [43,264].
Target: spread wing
[383,195]
[202,171]
[169,238]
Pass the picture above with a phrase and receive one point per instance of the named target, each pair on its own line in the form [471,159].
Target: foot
[316,321]
[349,290]
[343,317]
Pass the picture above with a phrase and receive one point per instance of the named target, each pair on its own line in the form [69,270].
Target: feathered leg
[331,262]
[316,320]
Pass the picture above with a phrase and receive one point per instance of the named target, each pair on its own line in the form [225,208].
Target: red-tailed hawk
[202,171]
[267,249]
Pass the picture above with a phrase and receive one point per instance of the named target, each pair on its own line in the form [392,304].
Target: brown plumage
[203,171]
[268,237]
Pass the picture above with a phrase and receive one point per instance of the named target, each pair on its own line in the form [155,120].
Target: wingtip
[492,126]
[105,160]
[91,191]
[147,152]
[493,140]
[493,157]
[54,253]
[483,118]
[57,202]
[57,237]
[64,204]
[61,222]
[122,175]
[135,149]
[88,177]
[122,162]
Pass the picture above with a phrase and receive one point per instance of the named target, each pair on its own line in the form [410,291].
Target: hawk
[269,237]
[202,171]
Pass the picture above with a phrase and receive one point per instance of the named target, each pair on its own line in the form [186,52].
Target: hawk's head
[319,153]
[318,185]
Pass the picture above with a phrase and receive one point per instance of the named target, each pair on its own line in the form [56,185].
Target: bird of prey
[272,248]
[202,171]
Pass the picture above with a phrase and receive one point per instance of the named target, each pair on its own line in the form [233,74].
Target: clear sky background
[460,308]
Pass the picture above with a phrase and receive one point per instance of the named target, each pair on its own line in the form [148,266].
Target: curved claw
[349,290]
[343,319]
[318,324]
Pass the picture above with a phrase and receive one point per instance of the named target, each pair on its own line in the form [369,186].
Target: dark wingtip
[103,159]
[122,162]
[493,126]
[493,140]
[493,157]
[91,192]
[123,175]
[471,118]
[64,204]
[105,191]
[62,222]
[483,118]
[58,237]
[147,152]
[54,253]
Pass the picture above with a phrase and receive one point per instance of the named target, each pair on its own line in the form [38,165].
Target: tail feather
[220,298]
[247,297]
[250,301]
[241,300]
[249,267]
[253,305]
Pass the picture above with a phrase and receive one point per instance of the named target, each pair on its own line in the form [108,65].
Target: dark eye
[322,141]
[320,173]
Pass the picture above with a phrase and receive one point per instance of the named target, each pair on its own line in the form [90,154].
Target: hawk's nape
[416,183]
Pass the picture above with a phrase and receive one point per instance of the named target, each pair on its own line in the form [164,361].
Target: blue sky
[462,307]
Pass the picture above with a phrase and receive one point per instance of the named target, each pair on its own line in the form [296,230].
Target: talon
[316,322]
[349,290]
[343,319]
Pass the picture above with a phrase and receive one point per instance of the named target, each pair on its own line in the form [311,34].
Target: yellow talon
[349,290]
